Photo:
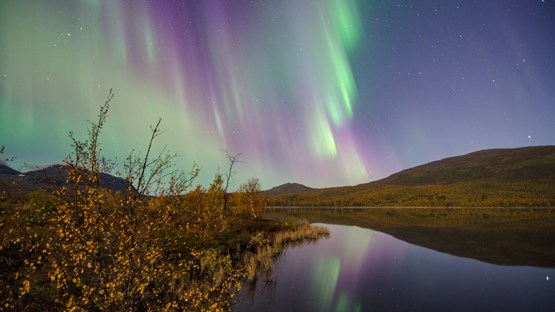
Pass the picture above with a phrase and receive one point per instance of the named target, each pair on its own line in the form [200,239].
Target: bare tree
[232,159]
[86,164]
[150,174]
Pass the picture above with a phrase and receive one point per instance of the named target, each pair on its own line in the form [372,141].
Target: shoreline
[506,236]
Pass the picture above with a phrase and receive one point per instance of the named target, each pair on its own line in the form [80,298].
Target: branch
[155,132]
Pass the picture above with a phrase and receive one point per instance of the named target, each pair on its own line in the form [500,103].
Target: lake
[358,269]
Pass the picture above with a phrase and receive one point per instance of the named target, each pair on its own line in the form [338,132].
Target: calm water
[359,269]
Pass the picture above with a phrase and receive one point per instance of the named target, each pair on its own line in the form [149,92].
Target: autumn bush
[156,245]
[249,200]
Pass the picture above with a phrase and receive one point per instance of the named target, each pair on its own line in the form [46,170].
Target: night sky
[325,93]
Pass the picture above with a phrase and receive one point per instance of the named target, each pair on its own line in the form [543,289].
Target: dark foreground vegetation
[507,236]
[151,245]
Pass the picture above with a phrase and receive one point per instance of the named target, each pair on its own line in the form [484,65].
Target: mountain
[5,170]
[53,175]
[495,177]
[49,177]
[57,175]
[288,188]
[517,164]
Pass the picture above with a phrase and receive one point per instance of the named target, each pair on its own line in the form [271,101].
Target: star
[326,79]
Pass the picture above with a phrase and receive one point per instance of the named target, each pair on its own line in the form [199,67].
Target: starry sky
[325,93]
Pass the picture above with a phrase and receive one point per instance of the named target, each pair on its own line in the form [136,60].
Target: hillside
[288,188]
[497,177]
[519,164]
[4,169]
[15,182]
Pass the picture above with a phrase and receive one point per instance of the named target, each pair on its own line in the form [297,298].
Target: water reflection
[357,269]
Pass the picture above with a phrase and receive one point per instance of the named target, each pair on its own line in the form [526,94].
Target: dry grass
[268,249]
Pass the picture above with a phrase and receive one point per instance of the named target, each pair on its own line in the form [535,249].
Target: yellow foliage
[88,248]
[249,200]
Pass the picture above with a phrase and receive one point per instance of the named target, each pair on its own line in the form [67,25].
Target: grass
[267,249]
[507,236]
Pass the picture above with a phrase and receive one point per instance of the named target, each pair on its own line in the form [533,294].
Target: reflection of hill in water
[497,236]
[496,248]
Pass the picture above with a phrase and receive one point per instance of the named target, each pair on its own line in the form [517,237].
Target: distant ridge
[57,175]
[495,177]
[4,169]
[507,164]
[49,177]
[288,188]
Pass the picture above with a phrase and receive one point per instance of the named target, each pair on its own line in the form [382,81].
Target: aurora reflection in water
[358,269]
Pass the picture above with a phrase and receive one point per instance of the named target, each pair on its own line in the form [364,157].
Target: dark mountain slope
[518,164]
[4,169]
[288,188]
[53,176]
[57,175]
[497,177]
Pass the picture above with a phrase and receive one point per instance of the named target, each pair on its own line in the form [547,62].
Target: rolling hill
[288,188]
[519,164]
[15,182]
[495,177]
[5,170]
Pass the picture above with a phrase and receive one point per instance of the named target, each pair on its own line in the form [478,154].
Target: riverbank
[509,236]
[264,250]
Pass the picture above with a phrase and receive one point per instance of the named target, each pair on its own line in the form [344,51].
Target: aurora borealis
[328,92]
